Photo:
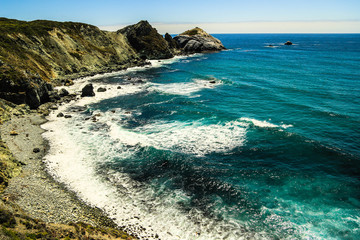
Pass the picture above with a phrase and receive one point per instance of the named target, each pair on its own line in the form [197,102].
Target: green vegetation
[22,227]
[38,27]
[192,32]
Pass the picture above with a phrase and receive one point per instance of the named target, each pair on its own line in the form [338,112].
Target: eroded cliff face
[34,55]
[147,42]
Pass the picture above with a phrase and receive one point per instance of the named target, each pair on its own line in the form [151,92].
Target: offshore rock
[146,40]
[197,40]
[288,43]
[88,91]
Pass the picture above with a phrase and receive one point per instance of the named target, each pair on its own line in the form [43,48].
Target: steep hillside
[147,42]
[36,55]
[33,54]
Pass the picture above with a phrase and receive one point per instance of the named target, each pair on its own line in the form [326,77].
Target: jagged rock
[288,43]
[197,40]
[172,43]
[146,40]
[101,89]
[88,91]
[63,92]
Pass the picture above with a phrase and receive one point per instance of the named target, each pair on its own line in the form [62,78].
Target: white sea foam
[192,138]
[184,88]
[77,154]
[264,124]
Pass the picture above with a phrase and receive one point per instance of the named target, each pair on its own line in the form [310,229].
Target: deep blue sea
[271,150]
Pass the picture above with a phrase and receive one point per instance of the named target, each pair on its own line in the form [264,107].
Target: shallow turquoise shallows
[260,140]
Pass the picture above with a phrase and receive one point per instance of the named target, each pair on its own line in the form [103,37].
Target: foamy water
[268,151]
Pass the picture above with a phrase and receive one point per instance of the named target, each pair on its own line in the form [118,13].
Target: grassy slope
[53,49]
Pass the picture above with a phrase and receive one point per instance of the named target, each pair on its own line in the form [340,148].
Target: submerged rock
[88,91]
[197,40]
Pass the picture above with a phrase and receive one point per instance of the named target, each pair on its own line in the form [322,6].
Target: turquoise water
[271,150]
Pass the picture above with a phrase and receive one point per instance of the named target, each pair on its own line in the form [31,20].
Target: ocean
[254,142]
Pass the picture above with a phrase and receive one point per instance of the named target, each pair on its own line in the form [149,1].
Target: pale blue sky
[167,12]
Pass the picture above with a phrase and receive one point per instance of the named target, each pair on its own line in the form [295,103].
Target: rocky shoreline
[34,57]
[34,194]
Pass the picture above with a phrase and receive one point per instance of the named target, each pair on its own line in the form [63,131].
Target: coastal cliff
[36,55]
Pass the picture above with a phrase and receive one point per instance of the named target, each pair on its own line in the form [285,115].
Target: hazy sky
[218,16]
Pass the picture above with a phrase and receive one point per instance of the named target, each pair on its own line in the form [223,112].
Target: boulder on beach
[63,92]
[88,91]
[36,150]
[101,89]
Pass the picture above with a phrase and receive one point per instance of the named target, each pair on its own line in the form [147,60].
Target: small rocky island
[197,40]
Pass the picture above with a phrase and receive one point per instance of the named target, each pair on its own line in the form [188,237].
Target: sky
[215,16]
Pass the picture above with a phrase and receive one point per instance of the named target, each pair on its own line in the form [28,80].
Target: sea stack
[197,40]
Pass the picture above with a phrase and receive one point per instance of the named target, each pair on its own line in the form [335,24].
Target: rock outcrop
[288,43]
[197,40]
[146,41]
[172,43]
[88,91]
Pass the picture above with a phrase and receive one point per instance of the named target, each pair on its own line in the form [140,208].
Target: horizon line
[256,27]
